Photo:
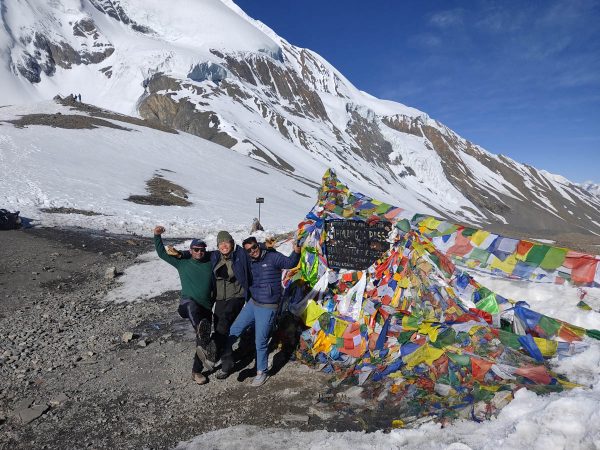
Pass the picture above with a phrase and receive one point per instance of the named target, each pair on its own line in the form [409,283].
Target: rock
[142,343]
[59,399]
[23,404]
[353,395]
[128,336]
[321,414]
[295,418]
[28,415]
[110,273]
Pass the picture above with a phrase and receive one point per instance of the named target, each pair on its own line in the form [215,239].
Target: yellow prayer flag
[312,312]
[474,329]
[396,298]
[348,212]
[568,384]
[546,346]
[429,330]
[506,266]
[479,236]
[322,343]
[424,354]
[492,388]
[404,283]
[430,223]
[339,327]
[397,423]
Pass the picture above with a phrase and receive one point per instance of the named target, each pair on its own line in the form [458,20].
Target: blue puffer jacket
[241,262]
[266,275]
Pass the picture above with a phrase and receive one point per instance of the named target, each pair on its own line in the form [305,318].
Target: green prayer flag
[554,258]
[403,225]
[583,305]
[509,339]
[537,253]
[481,255]
[468,232]
[488,304]
[405,336]
[593,333]
[446,337]
[549,325]
[461,360]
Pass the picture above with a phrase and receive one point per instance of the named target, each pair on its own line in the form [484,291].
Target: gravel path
[69,380]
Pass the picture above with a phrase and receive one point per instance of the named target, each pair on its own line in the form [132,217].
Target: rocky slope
[79,372]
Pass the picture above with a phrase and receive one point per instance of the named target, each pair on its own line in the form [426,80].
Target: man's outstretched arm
[160,247]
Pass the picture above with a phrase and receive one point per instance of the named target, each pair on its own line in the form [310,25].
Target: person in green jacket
[196,301]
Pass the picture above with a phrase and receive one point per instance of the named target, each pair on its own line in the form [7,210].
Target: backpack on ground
[9,220]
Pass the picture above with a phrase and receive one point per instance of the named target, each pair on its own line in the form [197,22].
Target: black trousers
[189,309]
[225,313]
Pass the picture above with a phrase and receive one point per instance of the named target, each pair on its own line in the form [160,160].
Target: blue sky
[521,78]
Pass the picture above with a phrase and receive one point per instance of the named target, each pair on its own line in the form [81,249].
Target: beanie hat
[198,243]
[224,236]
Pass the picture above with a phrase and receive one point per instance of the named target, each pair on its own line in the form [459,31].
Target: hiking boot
[203,356]
[199,378]
[203,332]
[259,379]
[211,352]
[221,374]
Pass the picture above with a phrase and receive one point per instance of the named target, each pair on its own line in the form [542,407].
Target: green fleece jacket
[195,276]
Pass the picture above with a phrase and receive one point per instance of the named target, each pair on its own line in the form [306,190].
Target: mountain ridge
[255,93]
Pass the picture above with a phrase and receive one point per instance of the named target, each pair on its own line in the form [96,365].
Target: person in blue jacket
[266,266]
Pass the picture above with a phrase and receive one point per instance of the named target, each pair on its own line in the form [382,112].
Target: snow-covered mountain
[82,166]
[591,187]
[206,68]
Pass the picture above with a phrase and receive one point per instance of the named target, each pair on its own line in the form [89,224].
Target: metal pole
[259,200]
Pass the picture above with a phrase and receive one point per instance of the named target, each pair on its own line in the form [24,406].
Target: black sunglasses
[198,249]
[252,247]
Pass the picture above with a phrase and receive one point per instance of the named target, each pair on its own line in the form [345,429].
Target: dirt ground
[69,380]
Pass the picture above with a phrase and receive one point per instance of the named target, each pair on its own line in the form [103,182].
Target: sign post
[259,200]
[355,244]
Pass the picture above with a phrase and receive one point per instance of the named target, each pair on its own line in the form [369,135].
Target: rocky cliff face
[289,108]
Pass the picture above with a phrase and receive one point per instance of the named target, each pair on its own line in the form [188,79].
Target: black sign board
[354,244]
[260,200]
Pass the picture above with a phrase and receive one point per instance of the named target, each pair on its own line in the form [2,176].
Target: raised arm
[160,248]
[289,262]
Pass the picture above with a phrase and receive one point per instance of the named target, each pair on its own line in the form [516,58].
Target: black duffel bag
[9,220]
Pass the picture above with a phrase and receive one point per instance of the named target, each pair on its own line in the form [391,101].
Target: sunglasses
[198,249]
[251,248]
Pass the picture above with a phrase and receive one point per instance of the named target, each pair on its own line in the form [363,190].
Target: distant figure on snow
[256,226]
[196,301]
[79,98]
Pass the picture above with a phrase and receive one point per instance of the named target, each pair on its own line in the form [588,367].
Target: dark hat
[198,243]
[224,236]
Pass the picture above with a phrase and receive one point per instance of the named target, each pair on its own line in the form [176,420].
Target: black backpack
[9,221]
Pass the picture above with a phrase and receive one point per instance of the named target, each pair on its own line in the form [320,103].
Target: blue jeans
[262,319]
